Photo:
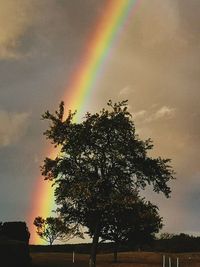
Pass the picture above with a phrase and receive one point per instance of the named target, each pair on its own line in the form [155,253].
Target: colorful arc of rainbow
[82,84]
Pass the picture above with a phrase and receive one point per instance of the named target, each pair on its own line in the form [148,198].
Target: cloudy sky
[155,65]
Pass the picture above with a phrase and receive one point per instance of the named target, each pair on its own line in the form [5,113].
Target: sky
[155,65]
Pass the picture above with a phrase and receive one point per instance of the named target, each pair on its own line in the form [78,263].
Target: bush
[16,231]
[14,253]
[14,244]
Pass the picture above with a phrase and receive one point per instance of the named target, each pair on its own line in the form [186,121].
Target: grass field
[129,259]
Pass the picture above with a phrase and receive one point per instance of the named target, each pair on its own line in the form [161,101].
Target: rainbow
[82,83]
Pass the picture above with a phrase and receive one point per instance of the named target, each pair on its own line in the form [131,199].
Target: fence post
[163,261]
[170,262]
[177,262]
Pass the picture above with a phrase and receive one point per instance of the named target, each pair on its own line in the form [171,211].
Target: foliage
[136,225]
[166,235]
[52,228]
[178,243]
[14,253]
[145,222]
[101,166]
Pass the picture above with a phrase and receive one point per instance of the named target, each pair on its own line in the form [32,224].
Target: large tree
[101,165]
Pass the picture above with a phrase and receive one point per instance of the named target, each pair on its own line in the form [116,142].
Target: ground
[129,259]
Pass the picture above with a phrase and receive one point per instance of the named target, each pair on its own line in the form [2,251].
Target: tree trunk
[115,254]
[92,262]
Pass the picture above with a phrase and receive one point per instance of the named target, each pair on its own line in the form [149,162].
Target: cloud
[125,91]
[164,112]
[34,26]
[12,127]
[15,19]
[163,26]
[139,114]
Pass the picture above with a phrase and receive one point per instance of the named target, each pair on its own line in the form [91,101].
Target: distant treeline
[77,248]
[178,243]
[174,243]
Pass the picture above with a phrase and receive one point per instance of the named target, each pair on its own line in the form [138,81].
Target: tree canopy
[101,166]
[52,229]
[144,223]
[134,226]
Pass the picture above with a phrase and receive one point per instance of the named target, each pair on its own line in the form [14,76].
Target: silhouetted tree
[52,229]
[101,164]
[136,224]
[145,224]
